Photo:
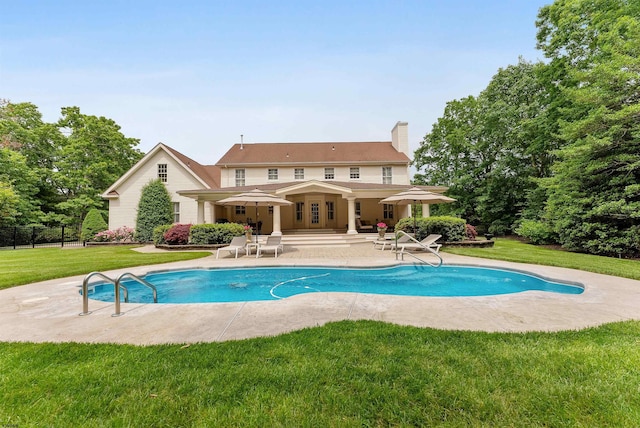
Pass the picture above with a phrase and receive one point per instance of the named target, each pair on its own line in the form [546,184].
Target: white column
[351,210]
[426,210]
[277,231]
[200,219]
[212,207]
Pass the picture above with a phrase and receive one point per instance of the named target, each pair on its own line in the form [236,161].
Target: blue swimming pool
[273,283]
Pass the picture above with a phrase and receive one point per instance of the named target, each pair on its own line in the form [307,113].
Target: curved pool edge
[48,311]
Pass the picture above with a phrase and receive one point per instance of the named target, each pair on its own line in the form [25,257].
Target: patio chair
[363,227]
[428,242]
[236,245]
[401,240]
[273,244]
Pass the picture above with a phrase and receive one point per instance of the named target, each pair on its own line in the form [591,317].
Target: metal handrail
[426,247]
[141,281]
[85,292]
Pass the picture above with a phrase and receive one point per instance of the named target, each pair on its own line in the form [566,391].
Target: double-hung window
[354,173]
[272,174]
[329,174]
[240,174]
[176,212]
[387,178]
[387,211]
[298,174]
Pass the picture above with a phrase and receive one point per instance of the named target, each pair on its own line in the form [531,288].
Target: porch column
[277,231]
[200,219]
[212,207]
[425,210]
[351,211]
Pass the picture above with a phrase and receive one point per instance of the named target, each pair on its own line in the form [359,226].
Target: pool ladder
[117,284]
[426,247]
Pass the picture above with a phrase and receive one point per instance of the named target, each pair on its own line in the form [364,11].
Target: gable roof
[312,153]
[208,176]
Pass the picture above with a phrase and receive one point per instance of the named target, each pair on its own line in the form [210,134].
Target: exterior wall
[368,174]
[123,210]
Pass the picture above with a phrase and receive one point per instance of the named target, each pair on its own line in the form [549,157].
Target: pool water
[274,283]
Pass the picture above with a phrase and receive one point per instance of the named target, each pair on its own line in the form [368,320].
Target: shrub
[121,234]
[178,234]
[154,209]
[471,232]
[219,233]
[158,233]
[452,229]
[92,224]
[535,232]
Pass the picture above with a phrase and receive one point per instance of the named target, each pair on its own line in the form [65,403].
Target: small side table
[251,245]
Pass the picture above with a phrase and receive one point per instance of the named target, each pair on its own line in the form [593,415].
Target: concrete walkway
[48,311]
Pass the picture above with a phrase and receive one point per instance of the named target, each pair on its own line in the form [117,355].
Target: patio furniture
[236,245]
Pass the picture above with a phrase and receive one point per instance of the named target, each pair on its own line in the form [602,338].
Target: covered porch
[316,206]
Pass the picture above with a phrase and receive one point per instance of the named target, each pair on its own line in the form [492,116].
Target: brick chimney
[400,137]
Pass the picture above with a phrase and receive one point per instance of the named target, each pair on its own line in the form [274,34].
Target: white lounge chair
[273,244]
[237,244]
[428,242]
[403,239]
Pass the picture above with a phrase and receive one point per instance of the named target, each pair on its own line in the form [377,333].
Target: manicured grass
[515,251]
[348,373]
[19,267]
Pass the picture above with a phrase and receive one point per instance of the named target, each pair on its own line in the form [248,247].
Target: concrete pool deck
[49,311]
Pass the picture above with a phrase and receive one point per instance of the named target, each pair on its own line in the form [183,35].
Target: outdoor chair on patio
[273,244]
[363,227]
[237,244]
[428,242]
[401,240]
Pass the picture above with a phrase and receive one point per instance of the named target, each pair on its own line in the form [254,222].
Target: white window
[357,208]
[162,172]
[298,174]
[240,210]
[176,212]
[330,211]
[273,174]
[354,173]
[329,174]
[387,211]
[386,175]
[239,177]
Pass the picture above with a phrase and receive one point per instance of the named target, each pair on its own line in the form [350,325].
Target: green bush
[214,233]
[158,233]
[92,224]
[452,229]
[536,232]
[154,209]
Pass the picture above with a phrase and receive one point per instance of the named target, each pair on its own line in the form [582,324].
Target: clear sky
[197,74]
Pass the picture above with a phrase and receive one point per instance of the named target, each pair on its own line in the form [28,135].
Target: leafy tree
[154,209]
[93,156]
[491,149]
[594,195]
[92,224]
[23,181]
[8,204]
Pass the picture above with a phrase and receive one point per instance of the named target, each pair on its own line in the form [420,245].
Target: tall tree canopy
[58,170]
[594,194]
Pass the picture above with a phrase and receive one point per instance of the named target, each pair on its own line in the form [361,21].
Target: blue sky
[197,74]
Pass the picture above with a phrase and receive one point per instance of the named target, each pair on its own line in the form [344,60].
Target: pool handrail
[402,252]
[85,292]
[141,281]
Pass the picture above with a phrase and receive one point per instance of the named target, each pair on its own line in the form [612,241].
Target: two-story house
[333,185]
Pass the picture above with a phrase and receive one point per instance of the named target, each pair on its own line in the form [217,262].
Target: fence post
[33,237]
[15,234]
[62,237]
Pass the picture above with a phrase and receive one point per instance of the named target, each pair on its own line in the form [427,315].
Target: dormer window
[162,172]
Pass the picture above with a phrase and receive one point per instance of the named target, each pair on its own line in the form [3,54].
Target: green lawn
[348,373]
[19,267]
[515,251]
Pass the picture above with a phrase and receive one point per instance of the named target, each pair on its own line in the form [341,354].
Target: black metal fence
[40,236]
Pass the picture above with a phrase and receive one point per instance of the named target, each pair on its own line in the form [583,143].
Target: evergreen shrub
[219,233]
[536,232]
[92,224]
[158,233]
[154,209]
[452,229]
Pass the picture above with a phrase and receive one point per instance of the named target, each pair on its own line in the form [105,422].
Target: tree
[491,149]
[154,209]
[93,223]
[93,156]
[23,183]
[8,204]
[594,195]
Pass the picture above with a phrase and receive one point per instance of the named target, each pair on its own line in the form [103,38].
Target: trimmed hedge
[93,224]
[219,233]
[158,233]
[452,229]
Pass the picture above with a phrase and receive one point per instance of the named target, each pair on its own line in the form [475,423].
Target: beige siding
[123,210]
